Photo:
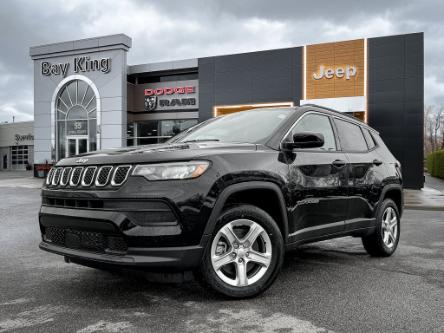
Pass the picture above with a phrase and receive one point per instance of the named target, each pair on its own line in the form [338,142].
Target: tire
[382,242]
[230,264]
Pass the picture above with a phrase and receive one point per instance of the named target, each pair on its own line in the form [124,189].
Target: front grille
[120,175]
[89,176]
[85,240]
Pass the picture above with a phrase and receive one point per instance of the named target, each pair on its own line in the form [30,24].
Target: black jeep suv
[227,197]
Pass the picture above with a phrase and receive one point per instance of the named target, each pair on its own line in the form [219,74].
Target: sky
[172,29]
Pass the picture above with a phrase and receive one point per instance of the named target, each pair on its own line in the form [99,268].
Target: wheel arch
[243,188]
[393,192]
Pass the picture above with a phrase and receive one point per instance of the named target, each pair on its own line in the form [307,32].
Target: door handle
[339,163]
[377,162]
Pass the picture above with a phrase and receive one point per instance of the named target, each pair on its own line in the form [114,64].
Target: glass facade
[156,131]
[76,115]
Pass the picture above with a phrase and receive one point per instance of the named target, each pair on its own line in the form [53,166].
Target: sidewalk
[19,179]
[431,197]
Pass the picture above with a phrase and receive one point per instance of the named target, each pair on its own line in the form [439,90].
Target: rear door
[365,172]
[317,182]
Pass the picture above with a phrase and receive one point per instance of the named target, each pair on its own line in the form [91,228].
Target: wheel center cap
[241,252]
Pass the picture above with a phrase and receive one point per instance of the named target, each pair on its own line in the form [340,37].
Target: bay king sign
[80,65]
[345,72]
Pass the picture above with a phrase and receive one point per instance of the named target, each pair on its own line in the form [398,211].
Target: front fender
[239,187]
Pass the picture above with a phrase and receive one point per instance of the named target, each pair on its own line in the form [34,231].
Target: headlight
[169,171]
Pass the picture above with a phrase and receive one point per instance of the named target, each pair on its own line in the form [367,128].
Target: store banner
[171,96]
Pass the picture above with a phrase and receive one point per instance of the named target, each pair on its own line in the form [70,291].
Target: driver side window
[318,124]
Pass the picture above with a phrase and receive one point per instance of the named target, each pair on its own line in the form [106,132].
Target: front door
[318,183]
[76,145]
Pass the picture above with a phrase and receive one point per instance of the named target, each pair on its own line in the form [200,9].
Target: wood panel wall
[334,55]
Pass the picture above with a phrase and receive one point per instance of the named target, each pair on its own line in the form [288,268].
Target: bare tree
[434,128]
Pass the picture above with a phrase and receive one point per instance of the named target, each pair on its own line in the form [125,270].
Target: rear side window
[368,137]
[350,136]
[319,124]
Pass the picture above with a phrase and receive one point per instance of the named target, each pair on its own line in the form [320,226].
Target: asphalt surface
[326,286]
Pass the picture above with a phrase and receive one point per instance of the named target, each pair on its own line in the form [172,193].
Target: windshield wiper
[200,140]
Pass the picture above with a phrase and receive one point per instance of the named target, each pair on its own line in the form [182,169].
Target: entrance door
[76,145]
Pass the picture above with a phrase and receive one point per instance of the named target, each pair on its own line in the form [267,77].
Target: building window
[19,157]
[156,131]
[76,114]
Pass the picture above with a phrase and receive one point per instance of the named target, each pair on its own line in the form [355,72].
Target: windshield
[247,126]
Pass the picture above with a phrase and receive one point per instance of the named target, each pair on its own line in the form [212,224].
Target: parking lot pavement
[331,285]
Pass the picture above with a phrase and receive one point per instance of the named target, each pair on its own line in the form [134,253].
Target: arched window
[76,119]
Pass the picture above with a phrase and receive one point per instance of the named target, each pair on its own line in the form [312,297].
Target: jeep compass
[227,197]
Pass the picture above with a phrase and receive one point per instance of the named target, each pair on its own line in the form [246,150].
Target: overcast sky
[172,29]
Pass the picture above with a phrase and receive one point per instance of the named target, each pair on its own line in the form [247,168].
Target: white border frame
[54,133]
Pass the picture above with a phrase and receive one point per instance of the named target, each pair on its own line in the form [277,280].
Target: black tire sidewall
[266,221]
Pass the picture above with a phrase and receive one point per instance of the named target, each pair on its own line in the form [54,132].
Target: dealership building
[86,96]
[16,145]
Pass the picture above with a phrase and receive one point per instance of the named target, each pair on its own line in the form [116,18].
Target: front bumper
[112,237]
[176,258]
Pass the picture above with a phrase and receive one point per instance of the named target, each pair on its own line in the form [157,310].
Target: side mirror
[304,140]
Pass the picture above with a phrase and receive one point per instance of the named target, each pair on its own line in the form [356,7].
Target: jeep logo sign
[340,72]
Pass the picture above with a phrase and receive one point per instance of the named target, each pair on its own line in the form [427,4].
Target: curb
[424,207]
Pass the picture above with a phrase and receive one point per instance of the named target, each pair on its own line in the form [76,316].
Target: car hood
[157,153]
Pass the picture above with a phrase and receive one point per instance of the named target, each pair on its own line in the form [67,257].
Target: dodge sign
[179,95]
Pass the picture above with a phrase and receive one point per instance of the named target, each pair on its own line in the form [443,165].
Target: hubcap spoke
[263,259]
[241,274]
[393,222]
[389,214]
[392,236]
[386,237]
[229,234]
[253,233]
[220,261]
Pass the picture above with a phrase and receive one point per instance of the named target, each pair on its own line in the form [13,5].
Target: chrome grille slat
[49,176]
[120,175]
[103,175]
[88,175]
[65,176]
[75,176]
[56,177]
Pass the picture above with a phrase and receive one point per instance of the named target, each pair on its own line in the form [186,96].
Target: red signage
[170,91]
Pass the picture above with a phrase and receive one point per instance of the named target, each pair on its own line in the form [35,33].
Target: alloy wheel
[389,227]
[241,252]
